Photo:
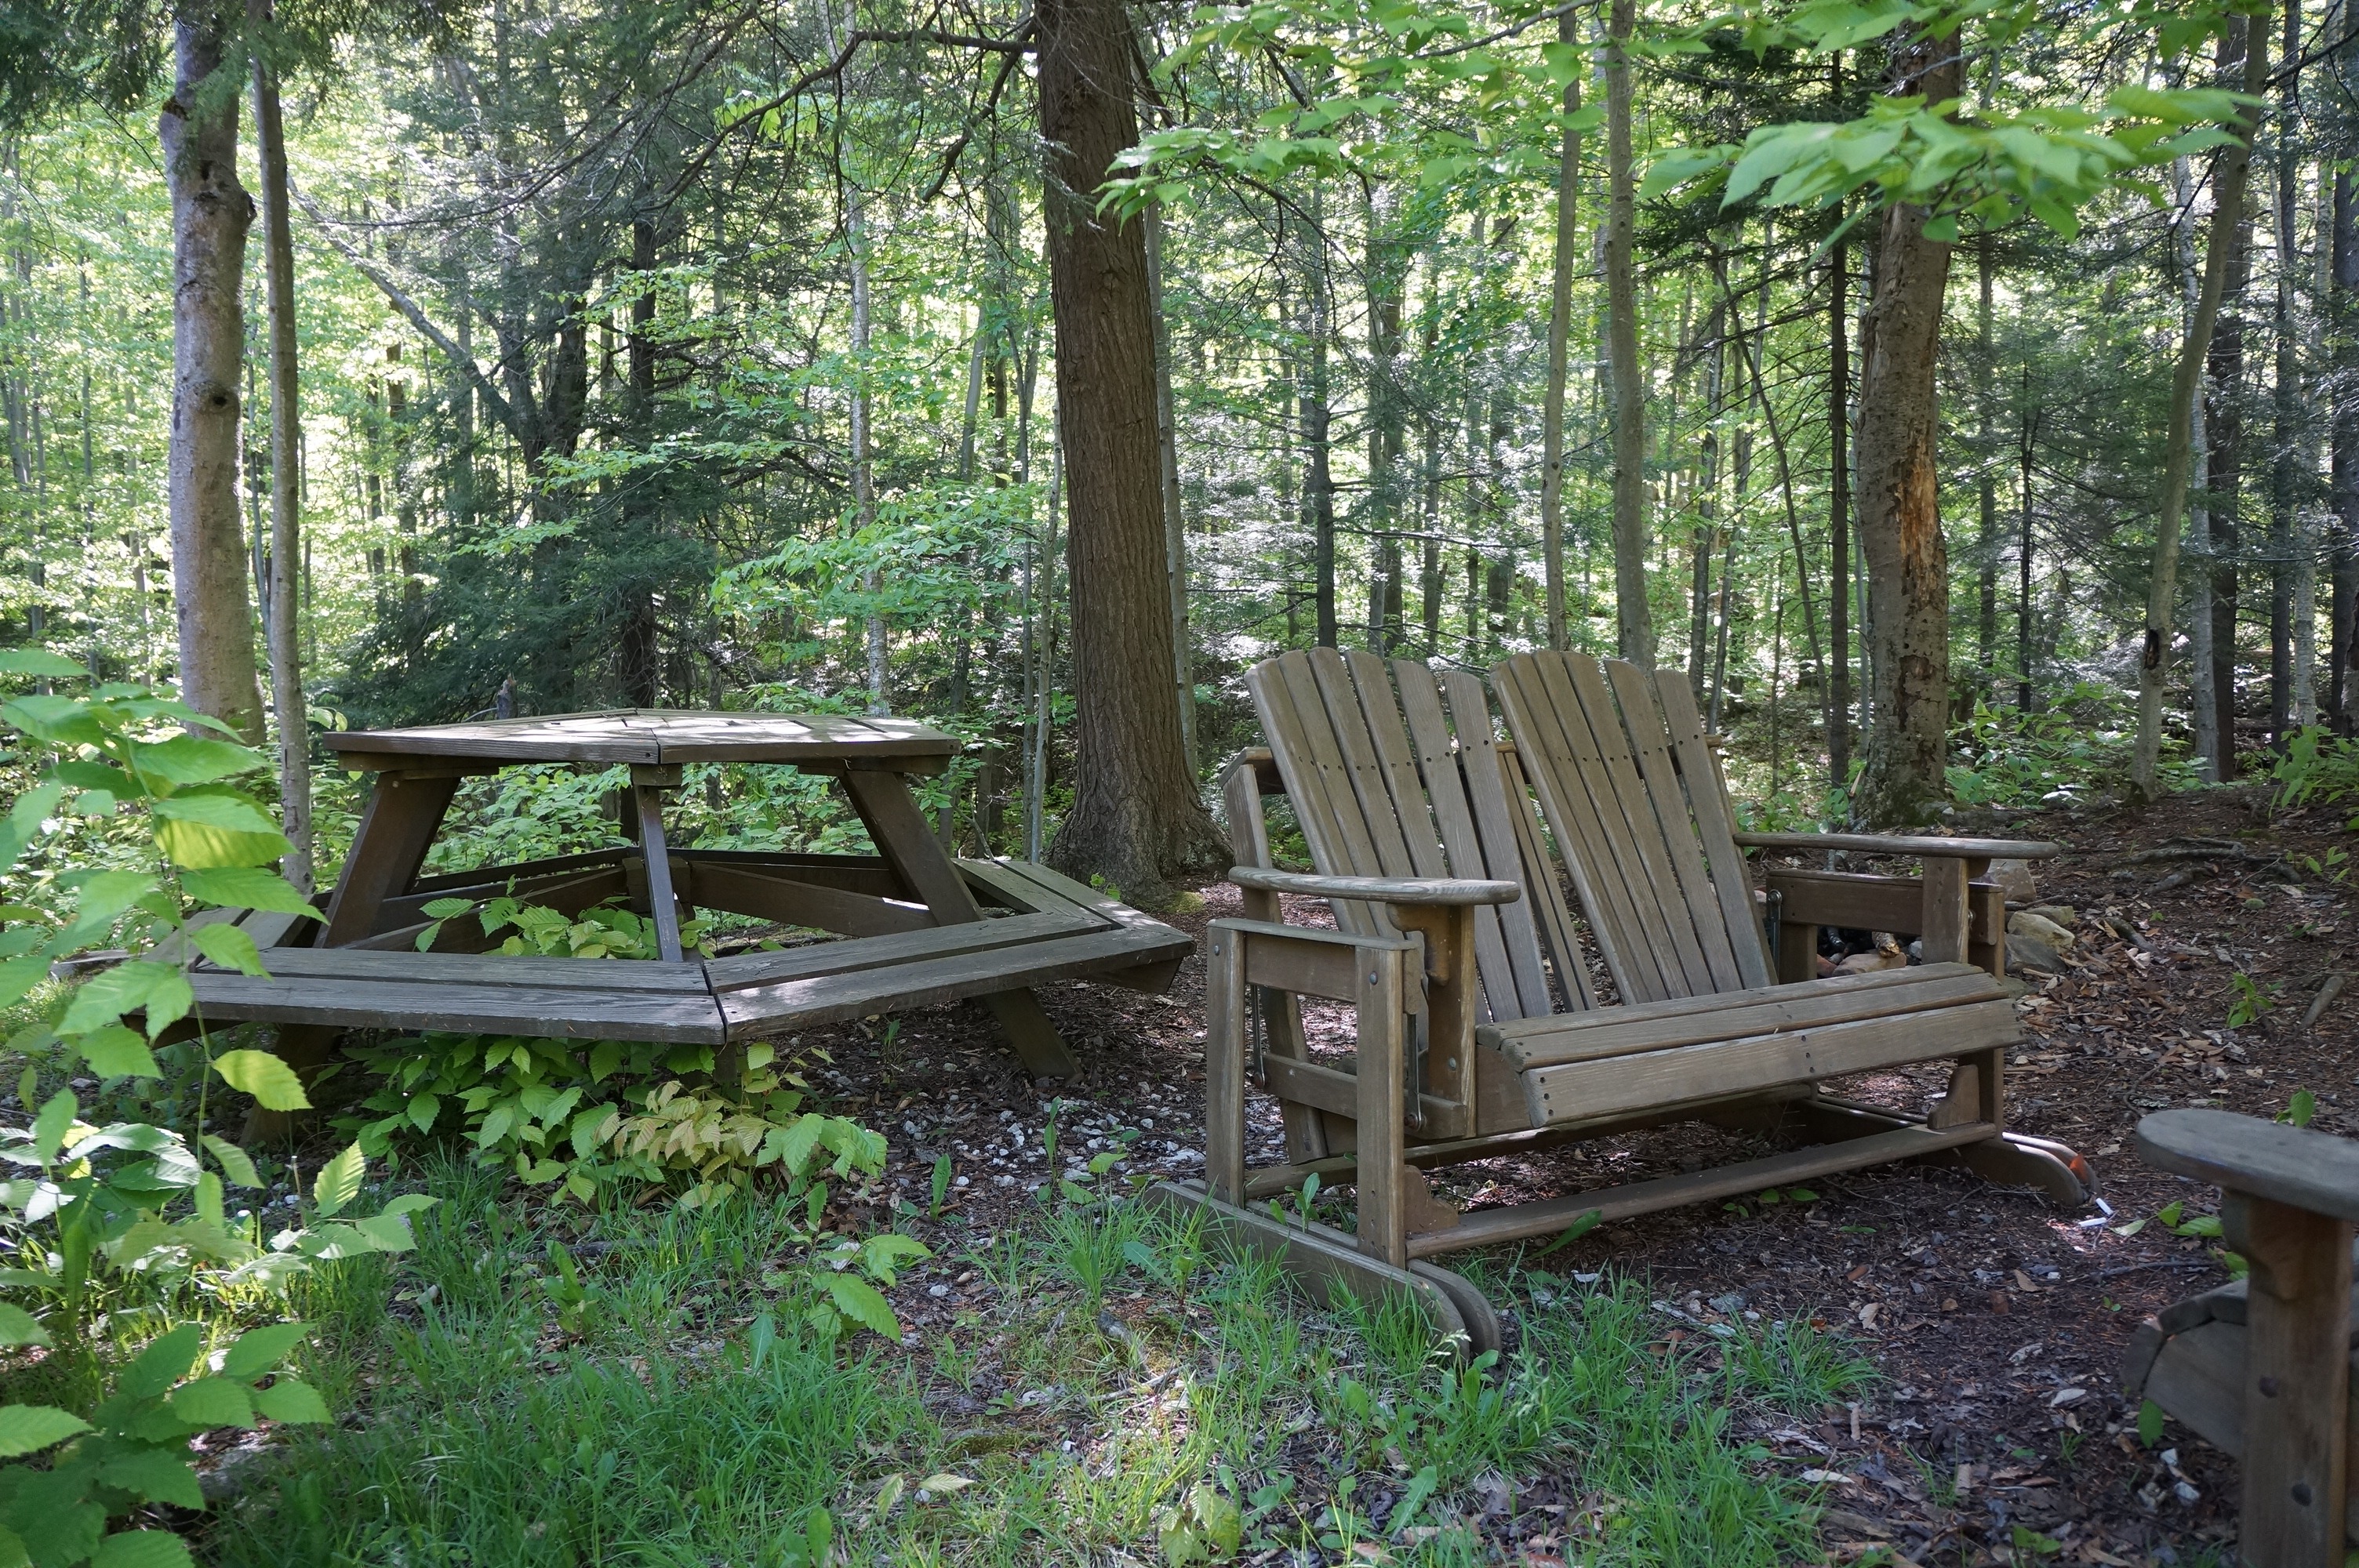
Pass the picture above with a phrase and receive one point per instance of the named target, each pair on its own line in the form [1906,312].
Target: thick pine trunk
[1900,523]
[1137,817]
[286,477]
[210,215]
[1635,616]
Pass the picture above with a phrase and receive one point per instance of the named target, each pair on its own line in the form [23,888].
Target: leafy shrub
[604,931]
[2080,744]
[134,1449]
[2317,766]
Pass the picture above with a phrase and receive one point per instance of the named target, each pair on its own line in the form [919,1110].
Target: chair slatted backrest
[1618,759]
[1412,784]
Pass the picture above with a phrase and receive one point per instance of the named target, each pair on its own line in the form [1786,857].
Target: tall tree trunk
[1706,533]
[1175,529]
[1634,615]
[2286,421]
[1986,478]
[2203,705]
[210,215]
[1900,523]
[864,469]
[1560,333]
[1317,423]
[2225,460]
[2343,601]
[2162,593]
[1137,817]
[1384,269]
[1838,522]
[637,651]
[286,473]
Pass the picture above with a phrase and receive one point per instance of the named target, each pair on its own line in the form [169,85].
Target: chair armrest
[1378,890]
[1907,844]
[2313,1171]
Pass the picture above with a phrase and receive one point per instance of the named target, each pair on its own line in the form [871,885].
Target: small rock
[2031,953]
[2063,914]
[2031,923]
[2014,877]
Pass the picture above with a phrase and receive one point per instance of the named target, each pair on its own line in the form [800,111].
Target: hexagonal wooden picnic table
[920,925]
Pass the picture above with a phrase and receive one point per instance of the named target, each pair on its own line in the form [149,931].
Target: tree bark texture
[286,477]
[1900,523]
[1634,615]
[1838,521]
[1137,817]
[1560,333]
[2343,602]
[210,215]
[2163,590]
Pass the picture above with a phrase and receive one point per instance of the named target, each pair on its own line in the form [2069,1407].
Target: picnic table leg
[396,830]
[647,787]
[910,846]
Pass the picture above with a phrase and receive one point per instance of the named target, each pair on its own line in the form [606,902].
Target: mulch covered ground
[1996,1321]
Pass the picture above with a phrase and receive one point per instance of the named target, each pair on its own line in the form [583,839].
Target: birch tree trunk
[286,475]
[1560,333]
[1634,616]
[1175,526]
[1900,523]
[210,215]
[2162,591]
[2343,599]
[1137,817]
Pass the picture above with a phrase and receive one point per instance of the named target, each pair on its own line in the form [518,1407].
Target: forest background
[780,356]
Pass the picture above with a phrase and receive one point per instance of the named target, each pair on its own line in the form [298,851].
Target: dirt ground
[1996,1321]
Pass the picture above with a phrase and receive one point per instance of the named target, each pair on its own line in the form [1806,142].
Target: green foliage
[133,1451]
[603,931]
[2315,766]
[2074,748]
[1981,161]
[2250,999]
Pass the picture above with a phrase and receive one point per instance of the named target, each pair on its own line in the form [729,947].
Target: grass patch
[1114,1384]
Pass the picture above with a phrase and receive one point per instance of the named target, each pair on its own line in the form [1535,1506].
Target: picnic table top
[653,736]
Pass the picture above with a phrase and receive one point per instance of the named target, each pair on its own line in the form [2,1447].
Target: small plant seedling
[2249,1000]
[941,1184]
[2300,1109]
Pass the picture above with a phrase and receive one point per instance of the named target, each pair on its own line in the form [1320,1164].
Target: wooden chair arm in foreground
[2264,1368]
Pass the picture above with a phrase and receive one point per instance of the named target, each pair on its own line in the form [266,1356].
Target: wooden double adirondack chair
[1478,1032]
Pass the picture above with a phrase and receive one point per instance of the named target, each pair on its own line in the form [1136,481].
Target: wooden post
[1947,919]
[396,827]
[1383,1197]
[1450,989]
[2297,1380]
[1798,952]
[882,799]
[647,786]
[1224,1063]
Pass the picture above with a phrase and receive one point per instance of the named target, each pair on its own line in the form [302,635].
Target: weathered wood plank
[1483,1228]
[1861,901]
[1225,1000]
[2297,1395]
[397,827]
[753,1010]
[1589,830]
[1501,809]
[1668,1078]
[1709,797]
[1649,742]
[1461,843]
[1347,724]
[1614,1031]
[2291,1165]
[1905,844]
[657,736]
[1578,681]
[1544,893]
[481,971]
[740,970]
[559,1013]
[780,897]
[1286,695]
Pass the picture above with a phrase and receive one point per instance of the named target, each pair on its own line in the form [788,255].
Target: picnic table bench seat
[1039,926]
